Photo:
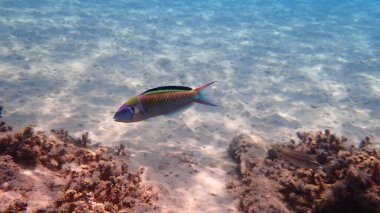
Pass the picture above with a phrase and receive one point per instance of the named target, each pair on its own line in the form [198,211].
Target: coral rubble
[55,173]
[347,180]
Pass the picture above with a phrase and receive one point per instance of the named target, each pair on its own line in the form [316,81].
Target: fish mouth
[115,118]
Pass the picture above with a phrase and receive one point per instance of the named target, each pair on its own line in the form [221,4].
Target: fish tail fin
[204,95]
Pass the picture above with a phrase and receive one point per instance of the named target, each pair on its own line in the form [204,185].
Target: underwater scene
[189,106]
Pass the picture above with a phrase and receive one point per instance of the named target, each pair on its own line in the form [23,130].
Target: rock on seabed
[348,179]
[56,173]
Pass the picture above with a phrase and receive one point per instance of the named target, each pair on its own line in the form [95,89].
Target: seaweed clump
[67,175]
[347,179]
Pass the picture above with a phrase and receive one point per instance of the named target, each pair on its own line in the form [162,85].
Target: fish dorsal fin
[166,88]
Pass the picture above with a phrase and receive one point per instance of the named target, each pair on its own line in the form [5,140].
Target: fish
[297,158]
[165,100]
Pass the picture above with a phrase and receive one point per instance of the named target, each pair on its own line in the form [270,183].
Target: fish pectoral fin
[176,113]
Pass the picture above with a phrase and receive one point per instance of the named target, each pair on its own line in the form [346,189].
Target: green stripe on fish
[160,91]
[163,100]
[167,88]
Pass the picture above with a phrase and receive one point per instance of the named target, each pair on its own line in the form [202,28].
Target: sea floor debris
[347,179]
[55,172]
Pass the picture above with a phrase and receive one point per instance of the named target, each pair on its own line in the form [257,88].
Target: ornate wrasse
[164,100]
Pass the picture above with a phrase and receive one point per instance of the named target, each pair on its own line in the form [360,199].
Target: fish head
[124,114]
[129,112]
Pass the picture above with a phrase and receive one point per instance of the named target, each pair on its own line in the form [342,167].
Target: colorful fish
[166,100]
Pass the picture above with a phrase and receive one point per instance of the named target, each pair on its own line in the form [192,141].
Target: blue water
[257,49]
[281,67]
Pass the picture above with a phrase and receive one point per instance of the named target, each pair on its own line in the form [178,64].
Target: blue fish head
[124,114]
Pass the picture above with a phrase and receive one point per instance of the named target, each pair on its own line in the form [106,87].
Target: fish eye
[126,109]
[129,109]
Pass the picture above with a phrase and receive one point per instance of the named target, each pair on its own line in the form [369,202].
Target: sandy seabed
[281,69]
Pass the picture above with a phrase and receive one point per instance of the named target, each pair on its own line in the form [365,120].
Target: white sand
[72,64]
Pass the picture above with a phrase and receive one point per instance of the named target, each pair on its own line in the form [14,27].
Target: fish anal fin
[176,113]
